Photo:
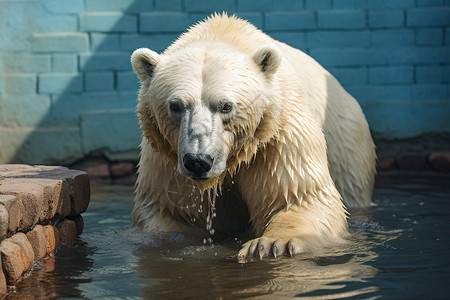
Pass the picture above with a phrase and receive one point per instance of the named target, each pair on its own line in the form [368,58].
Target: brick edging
[40,209]
[425,162]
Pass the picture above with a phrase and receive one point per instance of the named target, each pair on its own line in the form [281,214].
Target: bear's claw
[265,247]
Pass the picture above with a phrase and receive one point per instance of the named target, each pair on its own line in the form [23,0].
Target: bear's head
[208,107]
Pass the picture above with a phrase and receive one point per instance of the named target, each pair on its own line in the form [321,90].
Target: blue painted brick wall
[67,88]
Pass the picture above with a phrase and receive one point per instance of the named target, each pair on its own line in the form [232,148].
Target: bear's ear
[144,62]
[268,58]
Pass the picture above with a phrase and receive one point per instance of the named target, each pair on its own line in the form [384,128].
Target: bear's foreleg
[297,230]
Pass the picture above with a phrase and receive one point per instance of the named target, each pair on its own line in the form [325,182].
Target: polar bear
[243,129]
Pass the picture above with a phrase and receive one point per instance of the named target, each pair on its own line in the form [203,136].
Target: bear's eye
[227,107]
[175,107]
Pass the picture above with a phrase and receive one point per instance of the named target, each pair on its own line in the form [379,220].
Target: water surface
[400,249]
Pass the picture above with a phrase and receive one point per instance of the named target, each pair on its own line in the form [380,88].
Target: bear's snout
[198,164]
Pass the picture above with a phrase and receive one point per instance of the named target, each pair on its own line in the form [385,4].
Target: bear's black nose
[198,163]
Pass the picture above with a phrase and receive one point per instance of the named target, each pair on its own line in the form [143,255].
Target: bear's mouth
[199,177]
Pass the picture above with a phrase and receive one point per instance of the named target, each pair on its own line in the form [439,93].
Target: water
[400,249]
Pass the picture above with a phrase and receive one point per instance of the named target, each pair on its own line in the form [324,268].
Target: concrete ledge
[40,209]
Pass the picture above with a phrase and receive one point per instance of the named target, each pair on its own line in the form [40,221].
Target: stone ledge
[40,209]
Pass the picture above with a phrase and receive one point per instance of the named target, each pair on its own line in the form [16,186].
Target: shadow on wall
[67,87]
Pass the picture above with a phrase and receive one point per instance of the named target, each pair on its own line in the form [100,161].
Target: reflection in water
[211,271]
[203,272]
[399,249]
[48,277]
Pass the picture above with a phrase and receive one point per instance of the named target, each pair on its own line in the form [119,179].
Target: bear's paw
[266,247]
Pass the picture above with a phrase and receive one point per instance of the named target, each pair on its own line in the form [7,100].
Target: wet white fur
[296,136]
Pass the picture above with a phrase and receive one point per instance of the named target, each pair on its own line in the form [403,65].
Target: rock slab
[40,209]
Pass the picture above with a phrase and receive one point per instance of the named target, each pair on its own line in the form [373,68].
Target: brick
[108,22]
[130,6]
[124,128]
[155,41]
[254,18]
[20,83]
[349,4]
[446,76]
[350,76]
[381,93]
[127,81]
[289,20]
[105,61]
[295,39]
[64,63]
[64,204]
[168,5]
[430,74]
[69,107]
[14,208]
[4,220]
[25,63]
[447,36]
[128,99]
[48,194]
[47,23]
[194,18]
[430,37]
[38,242]
[12,261]
[163,22]
[31,197]
[55,197]
[122,169]
[58,83]
[24,110]
[2,84]
[67,232]
[21,240]
[345,19]
[98,171]
[386,18]
[108,5]
[105,41]
[399,3]
[440,161]
[59,42]
[429,92]
[268,5]
[386,161]
[438,16]
[349,57]
[415,55]
[3,286]
[318,4]
[391,74]
[393,38]
[98,81]
[327,39]
[430,3]
[51,238]
[416,161]
[81,192]
[79,224]
[208,6]
[71,7]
